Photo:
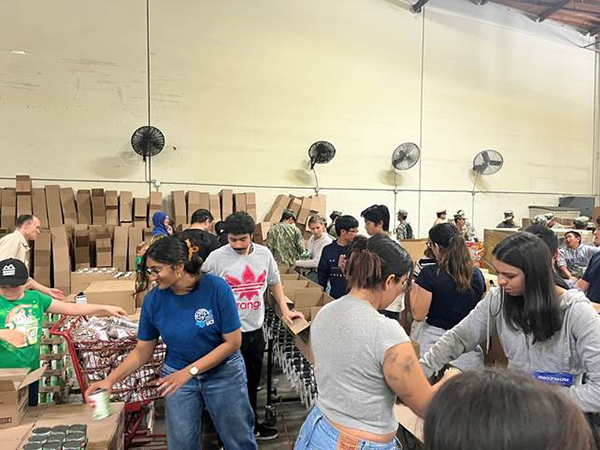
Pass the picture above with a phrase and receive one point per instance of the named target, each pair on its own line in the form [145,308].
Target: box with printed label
[14,394]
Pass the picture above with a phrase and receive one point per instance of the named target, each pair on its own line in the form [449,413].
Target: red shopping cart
[93,360]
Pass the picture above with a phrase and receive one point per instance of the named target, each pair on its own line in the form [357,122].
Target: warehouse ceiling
[583,15]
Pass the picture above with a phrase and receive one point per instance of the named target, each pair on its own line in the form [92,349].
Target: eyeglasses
[156,272]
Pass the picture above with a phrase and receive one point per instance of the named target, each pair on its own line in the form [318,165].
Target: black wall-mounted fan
[147,141]
[321,152]
[406,156]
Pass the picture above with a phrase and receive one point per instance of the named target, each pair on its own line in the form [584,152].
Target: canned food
[41,431]
[76,435]
[37,438]
[102,408]
[82,428]
[42,397]
[53,364]
[44,349]
[53,446]
[54,381]
[46,332]
[34,446]
[55,439]
[72,445]
[60,429]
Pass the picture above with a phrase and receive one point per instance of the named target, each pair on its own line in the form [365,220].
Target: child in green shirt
[21,316]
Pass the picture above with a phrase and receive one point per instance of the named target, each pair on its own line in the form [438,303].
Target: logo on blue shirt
[204,318]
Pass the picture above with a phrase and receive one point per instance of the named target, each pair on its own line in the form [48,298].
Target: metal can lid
[42,430]
[78,427]
[33,446]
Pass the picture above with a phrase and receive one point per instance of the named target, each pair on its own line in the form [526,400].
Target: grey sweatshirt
[574,349]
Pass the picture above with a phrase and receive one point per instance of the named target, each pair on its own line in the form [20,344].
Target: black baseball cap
[13,272]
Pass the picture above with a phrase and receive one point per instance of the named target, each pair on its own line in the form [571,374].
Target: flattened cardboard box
[304,211]
[14,394]
[136,235]
[81,244]
[43,258]
[55,217]
[251,205]
[195,201]
[120,248]
[112,207]
[38,200]
[260,232]
[274,214]
[295,205]
[140,212]
[9,209]
[103,252]
[67,200]
[23,204]
[98,207]
[126,206]
[112,292]
[179,207]
[60,259]
[84,206]
[239,201]
[154,205]
[215,206]
[226,196]
[23,185]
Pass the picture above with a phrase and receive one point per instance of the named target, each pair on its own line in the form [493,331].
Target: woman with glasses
[196,316]
[445,292]
[363,360]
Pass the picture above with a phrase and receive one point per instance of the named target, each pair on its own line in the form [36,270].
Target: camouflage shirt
[468,232]
[331,231]
[286,243]
[404,231]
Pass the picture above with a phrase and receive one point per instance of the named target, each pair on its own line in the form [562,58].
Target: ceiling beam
[417,7]
[543,16]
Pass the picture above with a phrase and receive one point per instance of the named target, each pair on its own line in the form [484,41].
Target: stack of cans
[60,437]
[295,366]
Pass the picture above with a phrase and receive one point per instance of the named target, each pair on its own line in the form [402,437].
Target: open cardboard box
[14,394]
[300,283]
[82,278]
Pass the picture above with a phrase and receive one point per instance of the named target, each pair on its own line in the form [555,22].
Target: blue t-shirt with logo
[191,325]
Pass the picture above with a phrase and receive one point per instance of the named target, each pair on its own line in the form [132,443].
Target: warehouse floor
[290,416]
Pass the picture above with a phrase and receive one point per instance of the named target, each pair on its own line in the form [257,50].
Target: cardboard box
[136,235]
[274,214]
[126,206]
[39,208]
[251,205]
[23,185]
[121,238]
[105,434]
[155,204]
[239,202]
[67,201]
[103,248]
[226,196]
[492,237]
[60,259]
[111,199]
[8,209]
[81,244]
[140,212]
[98,207]
[112,292]
[215,206]
[84,206]
[82,278]
[195,201]
[261,230]
[415,248]
[304,211]
[23,204]
[14,394]
[318,204]
[295,205]
[147,235]
[179,207]
[42,256]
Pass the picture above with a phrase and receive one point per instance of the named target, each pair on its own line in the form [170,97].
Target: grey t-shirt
[248,277]
[576,258]
[349,340]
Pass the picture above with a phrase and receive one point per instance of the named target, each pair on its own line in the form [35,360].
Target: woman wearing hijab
[161,225]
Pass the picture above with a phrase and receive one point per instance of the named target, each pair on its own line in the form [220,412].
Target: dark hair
[371,261]
[220,227]
[199,239]
[538,310]
[202,215]
[546,235]
[345,223]
[440,214]
[23,219]
[169,250]
[455,259]
[497,409]
[376,214]
[334,215]
[239,223]
[575,234]
[286,215]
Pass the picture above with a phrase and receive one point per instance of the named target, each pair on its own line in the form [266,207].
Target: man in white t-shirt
[249,269]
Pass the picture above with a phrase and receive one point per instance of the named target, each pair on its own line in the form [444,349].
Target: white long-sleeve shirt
[315,248]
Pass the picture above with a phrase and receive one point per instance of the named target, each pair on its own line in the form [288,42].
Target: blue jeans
[222,391]
[317,433]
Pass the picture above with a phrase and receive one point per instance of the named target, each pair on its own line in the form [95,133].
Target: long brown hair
[455,259]
[371,261]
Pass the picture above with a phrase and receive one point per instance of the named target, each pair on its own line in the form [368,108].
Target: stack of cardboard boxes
[23,192]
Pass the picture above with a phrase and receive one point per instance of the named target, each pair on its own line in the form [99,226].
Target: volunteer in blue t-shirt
[196,316]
